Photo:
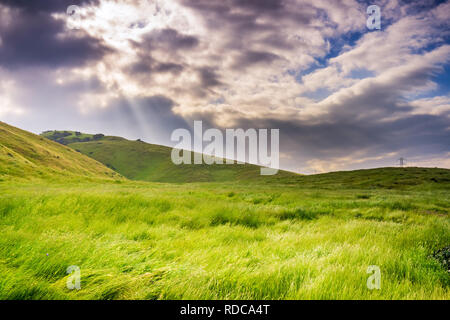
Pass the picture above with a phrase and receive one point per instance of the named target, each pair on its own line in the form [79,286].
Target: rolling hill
[281,237]
[138,160]
[26,155]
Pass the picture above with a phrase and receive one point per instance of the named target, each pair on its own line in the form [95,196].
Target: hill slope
[24,154]
[138,160]
[384,178]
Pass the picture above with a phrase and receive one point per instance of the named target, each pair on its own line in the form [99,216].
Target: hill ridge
[139,160]
[26,155]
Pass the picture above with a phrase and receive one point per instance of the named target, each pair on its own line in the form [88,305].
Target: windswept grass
[26,156]
[220,241]
[281,237]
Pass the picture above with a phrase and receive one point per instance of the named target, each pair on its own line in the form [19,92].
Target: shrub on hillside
[98,136]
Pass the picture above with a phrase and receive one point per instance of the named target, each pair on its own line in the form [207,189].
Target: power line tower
[402,162]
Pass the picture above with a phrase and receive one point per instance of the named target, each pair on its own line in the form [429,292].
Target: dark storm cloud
[247,7]
[243,15]
[209,78]
[169,43]
[140,67]
[32,38]
[148,65]
[249,58]
[277,42]
[167,39]
[168,67]
[257,5]
[252,29]
[238,18]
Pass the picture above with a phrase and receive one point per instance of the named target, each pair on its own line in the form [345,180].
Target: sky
[342,95]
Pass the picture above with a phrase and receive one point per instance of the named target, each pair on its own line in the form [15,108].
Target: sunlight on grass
[210,241]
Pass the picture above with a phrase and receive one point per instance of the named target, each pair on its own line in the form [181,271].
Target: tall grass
[211,241]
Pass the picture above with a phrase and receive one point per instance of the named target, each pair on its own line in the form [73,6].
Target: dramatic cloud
[342,96]
[31,37]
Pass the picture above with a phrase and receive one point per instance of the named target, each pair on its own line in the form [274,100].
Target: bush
[98,136]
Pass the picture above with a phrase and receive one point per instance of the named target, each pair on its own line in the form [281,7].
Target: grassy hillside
[138,160]
[292,237]
[66,137]
[411,178]
[24,155]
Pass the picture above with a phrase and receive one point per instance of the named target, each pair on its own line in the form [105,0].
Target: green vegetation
[66,137]
[24,155]
[138,160]
[291,237]
[205,241]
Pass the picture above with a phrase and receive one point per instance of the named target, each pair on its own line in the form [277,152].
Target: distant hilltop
[66,137]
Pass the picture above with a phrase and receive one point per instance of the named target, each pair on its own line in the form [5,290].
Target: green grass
[138,160]
[281,237]
[26,156]
[66,137]
[220,241]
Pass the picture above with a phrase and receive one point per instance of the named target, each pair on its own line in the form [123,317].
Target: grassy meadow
[284,237]
[220,241]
